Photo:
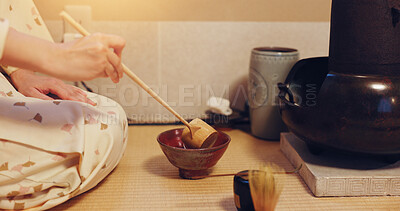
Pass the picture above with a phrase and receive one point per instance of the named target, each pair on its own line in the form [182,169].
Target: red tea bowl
[191,162]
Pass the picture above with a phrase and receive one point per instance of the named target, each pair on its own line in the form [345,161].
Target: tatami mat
[145,180]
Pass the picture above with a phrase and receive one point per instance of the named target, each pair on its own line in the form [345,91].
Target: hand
[97,55]
[32,85]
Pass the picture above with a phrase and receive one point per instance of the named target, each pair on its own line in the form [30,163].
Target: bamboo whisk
[265,187]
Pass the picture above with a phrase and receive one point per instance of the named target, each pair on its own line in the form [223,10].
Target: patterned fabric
[3,34]
[51,151]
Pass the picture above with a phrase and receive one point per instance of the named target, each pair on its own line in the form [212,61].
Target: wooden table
[145,180]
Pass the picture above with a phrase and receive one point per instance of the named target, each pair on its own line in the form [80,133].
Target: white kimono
[51,151]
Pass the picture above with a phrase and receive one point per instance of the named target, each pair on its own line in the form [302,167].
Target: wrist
[51,60]
[20,74]
[17,76]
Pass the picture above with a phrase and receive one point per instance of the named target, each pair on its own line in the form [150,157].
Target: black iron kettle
[350,101]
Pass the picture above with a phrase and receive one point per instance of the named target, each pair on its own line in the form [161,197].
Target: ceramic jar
[268,66]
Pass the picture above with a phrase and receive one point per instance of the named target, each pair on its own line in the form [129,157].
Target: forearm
[84,59]
[28,52]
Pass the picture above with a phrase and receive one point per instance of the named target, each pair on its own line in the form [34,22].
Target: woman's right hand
[97,55]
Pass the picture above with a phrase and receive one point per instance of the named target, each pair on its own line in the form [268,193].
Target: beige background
[196,10]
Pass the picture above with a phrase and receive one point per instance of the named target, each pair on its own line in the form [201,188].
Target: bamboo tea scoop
[197,134]
[245,173]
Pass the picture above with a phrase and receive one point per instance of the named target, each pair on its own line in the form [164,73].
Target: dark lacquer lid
[365,37]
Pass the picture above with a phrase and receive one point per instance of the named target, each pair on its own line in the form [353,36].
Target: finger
[115,42]
[116,63]
[111,73]
[61,90]
[90,102]
[77,89]
[80,91]
[69,93]
[39,95]
[83,95]
[81,98]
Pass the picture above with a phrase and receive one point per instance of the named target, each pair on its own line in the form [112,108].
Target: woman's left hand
[32,85]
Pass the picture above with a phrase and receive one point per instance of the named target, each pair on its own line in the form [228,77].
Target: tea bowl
[191,162]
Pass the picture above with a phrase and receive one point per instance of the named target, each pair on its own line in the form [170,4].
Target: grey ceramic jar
[268,67]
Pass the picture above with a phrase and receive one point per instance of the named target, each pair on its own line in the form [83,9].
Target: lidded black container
[241,191]
[350,101]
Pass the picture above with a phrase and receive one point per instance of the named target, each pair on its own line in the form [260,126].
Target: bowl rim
[194,150]
[275,51]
